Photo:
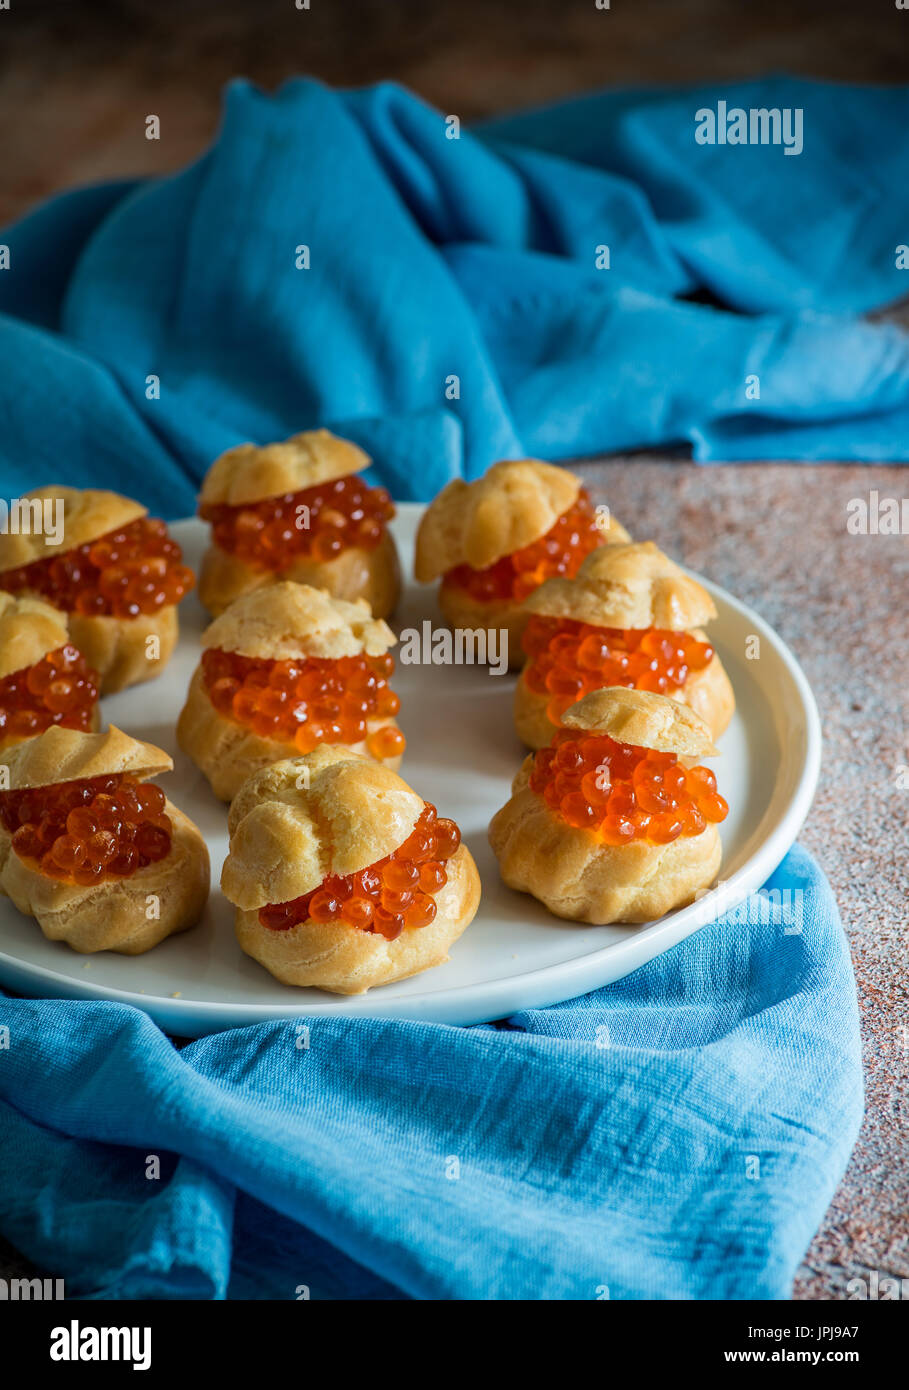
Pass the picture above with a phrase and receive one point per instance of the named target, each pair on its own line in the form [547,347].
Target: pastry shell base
[228,752]
[110,916]
[708,692]
[373,574]
[343,960]
[461,610]
[580,879]
[116,647]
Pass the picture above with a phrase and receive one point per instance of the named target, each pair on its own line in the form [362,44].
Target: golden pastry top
[511,506]
[87,514]
[286,620]
[29,629]
[644,718]
[251,472]
[626,586]
[66,755]
[286,838]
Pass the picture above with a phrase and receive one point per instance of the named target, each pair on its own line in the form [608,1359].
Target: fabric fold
[452,296]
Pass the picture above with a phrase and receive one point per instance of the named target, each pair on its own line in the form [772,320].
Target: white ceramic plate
[461,754]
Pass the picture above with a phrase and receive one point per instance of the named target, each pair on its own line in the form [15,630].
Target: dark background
[77,79]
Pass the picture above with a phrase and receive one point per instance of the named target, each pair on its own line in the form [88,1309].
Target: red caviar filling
[395,894]
[624,793]
[316,523]
[560,551]
[307,700]
[90,830]
[58,689]
[570,658]
[136,569]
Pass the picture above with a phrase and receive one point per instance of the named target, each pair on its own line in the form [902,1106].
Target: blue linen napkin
[678,1134]
[452,312]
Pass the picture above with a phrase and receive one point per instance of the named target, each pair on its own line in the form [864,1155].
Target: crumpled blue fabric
[678,1134]
[452,311]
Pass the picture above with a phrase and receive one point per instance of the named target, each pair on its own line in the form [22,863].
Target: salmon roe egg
[90,830]
[59,689]
[393,895]
[622,792]
[567,659]
[307,700]
[316,523]
[122,574]
[559,552]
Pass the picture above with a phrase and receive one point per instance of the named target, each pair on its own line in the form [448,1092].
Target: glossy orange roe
[88,831]
[308,700]
[624,793]
[560,551]
[58,689]
[314,524]
[136,569]
[393,895]
[569,658]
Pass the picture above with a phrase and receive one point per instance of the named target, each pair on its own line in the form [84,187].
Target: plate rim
[540,986]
